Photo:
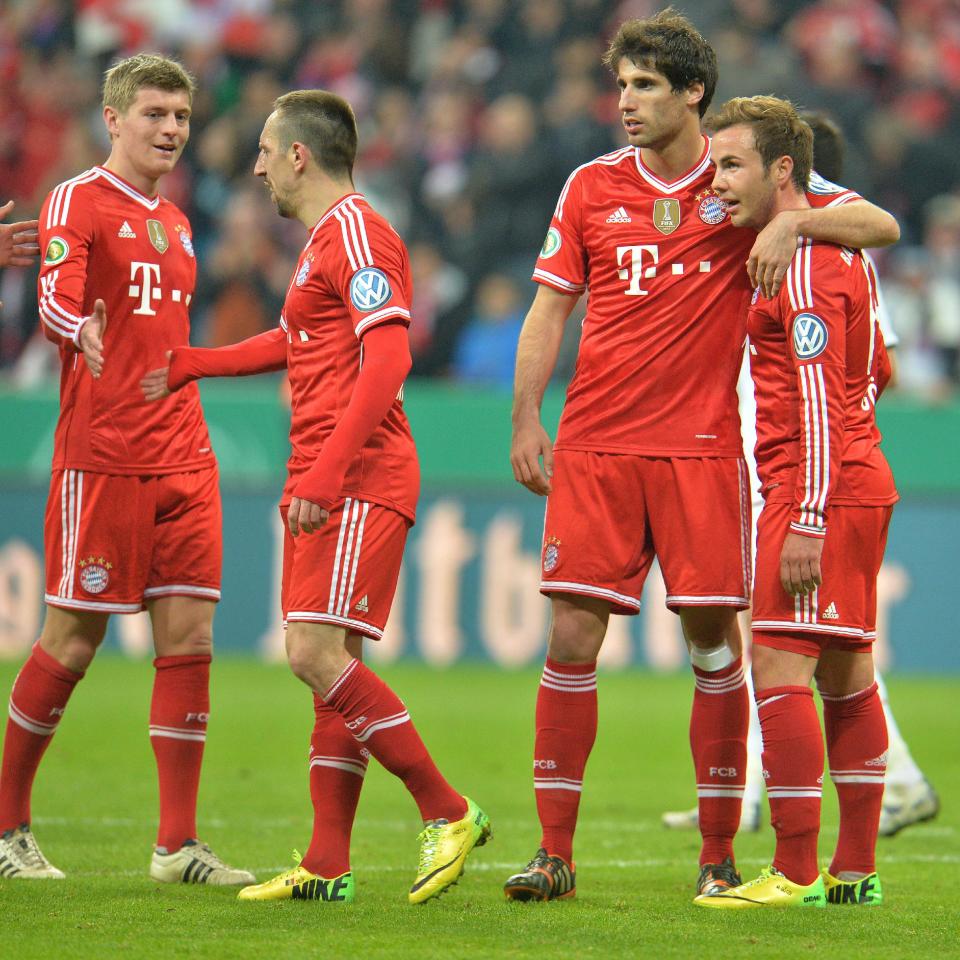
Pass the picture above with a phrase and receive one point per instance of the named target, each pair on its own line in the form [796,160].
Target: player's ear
[784,168]
[695,93]
[298,155]
[111,118]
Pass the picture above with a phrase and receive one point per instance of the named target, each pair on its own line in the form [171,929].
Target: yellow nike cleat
[444,847]
[770,889]
[301,884]
[866,891]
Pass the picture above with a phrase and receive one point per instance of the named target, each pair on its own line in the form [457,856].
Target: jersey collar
[150,203]
[684,181]
[343,201]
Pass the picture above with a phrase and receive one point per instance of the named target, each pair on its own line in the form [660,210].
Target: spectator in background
[943,242]
[487,349]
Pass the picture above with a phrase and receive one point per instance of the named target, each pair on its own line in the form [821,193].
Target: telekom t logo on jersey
[640,263]
[148,289]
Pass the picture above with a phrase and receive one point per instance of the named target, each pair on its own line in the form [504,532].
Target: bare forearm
[538,349]
[857,224]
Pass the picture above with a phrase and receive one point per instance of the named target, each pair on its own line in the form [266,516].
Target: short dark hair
[670,44]
[322,122]
[829,146]
[778,131]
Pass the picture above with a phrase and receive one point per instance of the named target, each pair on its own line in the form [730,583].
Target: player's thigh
[578,625]
[699,511]
[97,540]
[595,531]
[187,548]
[775,666]
[710,626]
[345,574]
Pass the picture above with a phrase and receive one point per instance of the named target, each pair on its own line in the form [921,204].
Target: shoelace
[765,874]
[429,839]
[30,851]
[205,855]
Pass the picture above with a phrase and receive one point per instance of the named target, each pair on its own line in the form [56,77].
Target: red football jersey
[815,357]
[353,274]
[663,336]
[104,239]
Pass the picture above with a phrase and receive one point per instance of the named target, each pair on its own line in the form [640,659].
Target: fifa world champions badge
[551,554]
[95,574]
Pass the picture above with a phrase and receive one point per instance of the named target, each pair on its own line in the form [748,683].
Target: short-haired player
[818,365]
[648,456]
[133,515]
[351,492]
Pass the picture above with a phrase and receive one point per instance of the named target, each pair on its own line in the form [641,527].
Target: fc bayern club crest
[551,554]
[711,208]
[95,574]
[185,238]
[304,270]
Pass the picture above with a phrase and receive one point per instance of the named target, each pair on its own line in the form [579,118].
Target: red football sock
[793,770]
[379,721]
[178,730]
[566,729]
[857,749]
[718,741]
[337,768]
[37,701]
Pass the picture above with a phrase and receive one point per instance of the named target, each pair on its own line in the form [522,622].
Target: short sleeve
[562,261]
[822,193]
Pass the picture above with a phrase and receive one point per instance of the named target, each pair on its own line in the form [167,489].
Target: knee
[316,656]
[576,635]
[195,641]
[75,652]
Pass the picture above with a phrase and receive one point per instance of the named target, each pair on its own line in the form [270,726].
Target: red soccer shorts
[842,611]
[345,573]
[608,515]
[113,543]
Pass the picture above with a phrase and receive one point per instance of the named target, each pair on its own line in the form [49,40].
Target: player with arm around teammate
[133,515]
[351,492]
[648,457]
[818,368]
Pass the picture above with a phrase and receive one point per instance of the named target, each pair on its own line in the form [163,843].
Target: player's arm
[537,353]
[65,234]
[386,363]
[264,353]
[816,340]
[18,241]
[856,223]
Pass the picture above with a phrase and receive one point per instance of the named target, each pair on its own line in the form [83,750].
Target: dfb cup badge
[551,554]
[95,574]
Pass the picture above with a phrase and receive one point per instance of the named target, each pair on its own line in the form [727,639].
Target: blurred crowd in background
[472,114]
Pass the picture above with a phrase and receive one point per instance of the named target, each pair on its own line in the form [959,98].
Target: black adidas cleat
[716,877]
[543,878]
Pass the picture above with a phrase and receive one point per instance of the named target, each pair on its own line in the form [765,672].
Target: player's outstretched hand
[155,384]
[305,517]
[91,338]
[772,254]
[530,444]
[18,241]
[800,564]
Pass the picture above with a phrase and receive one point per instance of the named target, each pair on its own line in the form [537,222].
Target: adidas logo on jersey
[362,605]
[619,216]
[126,232]
[831,612]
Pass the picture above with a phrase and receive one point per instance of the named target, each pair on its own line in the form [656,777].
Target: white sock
[902,769]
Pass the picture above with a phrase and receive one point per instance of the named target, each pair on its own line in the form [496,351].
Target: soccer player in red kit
[351,492]
[133,516]
[648,458]
[818,366]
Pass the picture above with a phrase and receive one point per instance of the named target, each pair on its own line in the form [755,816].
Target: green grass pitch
[95,807]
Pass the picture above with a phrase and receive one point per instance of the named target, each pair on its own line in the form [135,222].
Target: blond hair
[778,131]
[125,79]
